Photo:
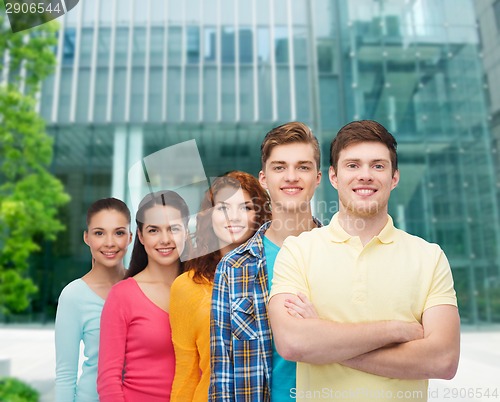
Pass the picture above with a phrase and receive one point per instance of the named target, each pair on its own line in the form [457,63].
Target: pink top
[136,355]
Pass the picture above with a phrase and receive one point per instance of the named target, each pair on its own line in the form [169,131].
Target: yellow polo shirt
[396,276]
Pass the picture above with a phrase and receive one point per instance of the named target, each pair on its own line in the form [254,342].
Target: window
[496,10]
[193,45]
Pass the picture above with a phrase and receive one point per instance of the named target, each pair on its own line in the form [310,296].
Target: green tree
[29,194]
[14,390]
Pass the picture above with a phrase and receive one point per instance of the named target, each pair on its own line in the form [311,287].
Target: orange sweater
[190,320]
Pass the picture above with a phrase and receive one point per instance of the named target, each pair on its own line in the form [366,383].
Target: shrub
[14,390]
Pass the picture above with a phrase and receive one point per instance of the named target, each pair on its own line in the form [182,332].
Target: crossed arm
[387,348]
[318,341]
[436,355]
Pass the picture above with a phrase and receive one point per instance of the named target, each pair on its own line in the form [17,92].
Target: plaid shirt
[240,333]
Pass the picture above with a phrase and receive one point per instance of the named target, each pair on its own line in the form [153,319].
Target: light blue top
[284,372]
[78,319]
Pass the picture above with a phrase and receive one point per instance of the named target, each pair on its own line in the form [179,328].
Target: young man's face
[364,179]
[291,177]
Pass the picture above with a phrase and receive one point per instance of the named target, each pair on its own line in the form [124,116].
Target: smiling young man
[388,318]
[244,362]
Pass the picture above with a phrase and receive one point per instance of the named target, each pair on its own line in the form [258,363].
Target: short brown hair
[289,133]
[363,131]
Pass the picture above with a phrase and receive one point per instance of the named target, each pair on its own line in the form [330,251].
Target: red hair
[204,265]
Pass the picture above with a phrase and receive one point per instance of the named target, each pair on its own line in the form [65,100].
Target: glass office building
[136,76]
[488,17]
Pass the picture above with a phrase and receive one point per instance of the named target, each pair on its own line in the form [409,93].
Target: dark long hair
[139,259]
[112,204]
[203,266]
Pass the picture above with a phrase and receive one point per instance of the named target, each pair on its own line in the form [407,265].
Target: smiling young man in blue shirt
[244,362]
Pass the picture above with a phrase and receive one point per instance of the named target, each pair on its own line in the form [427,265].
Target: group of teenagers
[262,303]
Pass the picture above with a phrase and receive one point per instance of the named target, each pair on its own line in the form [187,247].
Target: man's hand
[300,307]
[408,331]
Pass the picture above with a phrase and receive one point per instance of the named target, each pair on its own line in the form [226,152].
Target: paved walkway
[31,354]
[478,373]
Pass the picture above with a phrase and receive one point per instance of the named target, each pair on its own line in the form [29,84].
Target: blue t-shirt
[284,371]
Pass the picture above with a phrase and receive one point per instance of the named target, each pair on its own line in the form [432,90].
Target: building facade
[488,20]
[135,77]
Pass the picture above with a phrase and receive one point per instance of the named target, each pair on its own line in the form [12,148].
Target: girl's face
[108,236]
[233,217]
[163,235]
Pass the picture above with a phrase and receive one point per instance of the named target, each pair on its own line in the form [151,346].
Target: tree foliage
[14,390]
[29,194]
